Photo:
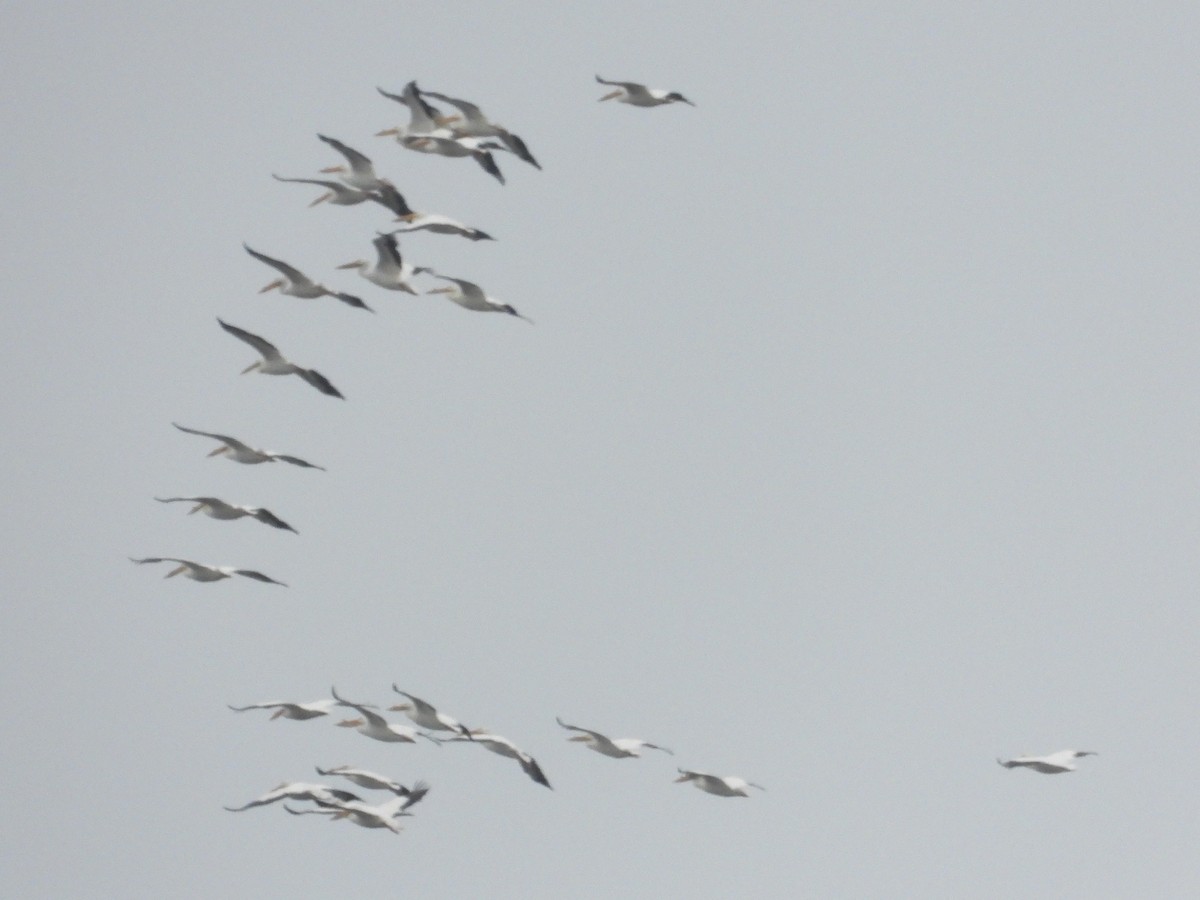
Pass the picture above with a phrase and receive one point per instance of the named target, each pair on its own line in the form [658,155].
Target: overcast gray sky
[853,447]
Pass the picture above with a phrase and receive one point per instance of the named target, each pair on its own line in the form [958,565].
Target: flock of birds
[465,134]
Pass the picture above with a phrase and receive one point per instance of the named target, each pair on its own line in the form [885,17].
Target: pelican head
[441,290]
[332,169]
[325,196]
[277,283]
[175,571]
[676,97]
[388,132]
[611,95]
[279,712]
[581,738]
[400,707]
[350,723]
[224,448]
[252,367]
[196,508]
[357,264]
[684,776]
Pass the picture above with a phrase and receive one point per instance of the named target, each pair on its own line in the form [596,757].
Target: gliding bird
[243,453]
[273,362]
[427,716]
[219,509]
[299,711]
[336,193]
[296,284]
[375,782]
[506,748]
[619,748]
[298,790]
[200,572]
[639,95]
[721,786]
[373,725]
[1051,764]
[390,271]
[469,295]
[476,124]
[361,172]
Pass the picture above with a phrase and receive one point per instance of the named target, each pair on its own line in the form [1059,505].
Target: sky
[853,447]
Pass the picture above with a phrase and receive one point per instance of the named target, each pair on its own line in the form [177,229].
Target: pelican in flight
[361,814]
[620,748]
[358,172]
[298,790]
[200,572]
[474,123]
[427,716]
[1051,764]
[373,781]
[469,295]
[727,786]
[478,149]
[219,509]
[506,748]
[639,95]
[336,193]
[244,453]
[423,118]
[299,711]
[372,725]
[273,363]
[390,271]
[296,284]
[439,224]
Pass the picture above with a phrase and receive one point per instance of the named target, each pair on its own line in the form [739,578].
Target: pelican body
[371,724]
[200,572]
[1051,764]
[274,363]
[616,748]
[471,296]
[215,508]
[639,95]
[718,785]
[234,449]
[504,747]
[301,712]
[373,781]
[295,283]
[390,270]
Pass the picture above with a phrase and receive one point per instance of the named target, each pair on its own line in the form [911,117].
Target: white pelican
[219,509]
[1051,764]
[469,295]
[426,715]
[373,781]
[296,284]
[506,748]
[475,124]
[727,786]
[478,149]
[298,711]
[361,172]
[336,193]
[390,271]
[620,748]
[298,790]
[244,453]
[423,118]
[639,95]
[200,572]
[273,362]
[361,814]
[374,726]
[439,224]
